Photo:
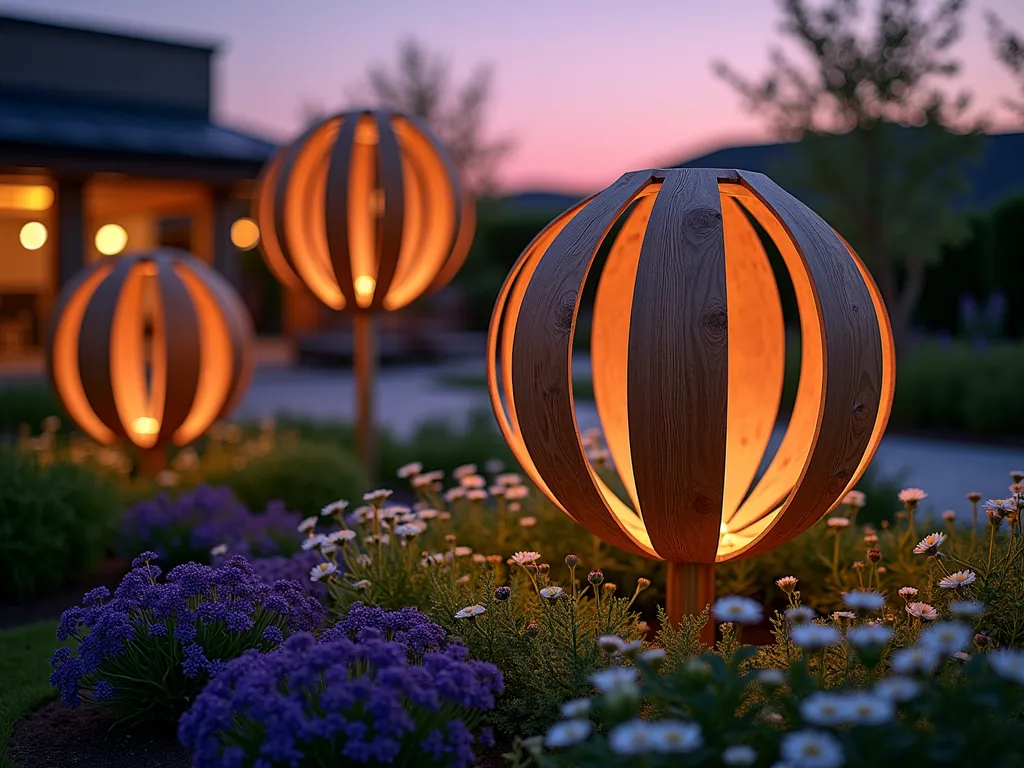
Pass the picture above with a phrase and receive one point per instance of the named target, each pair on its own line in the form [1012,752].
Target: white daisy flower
[383,538]
[669,737]
[567,734]
[552,593]
[897,688]
[947,637]
[842,615]
[610,643]
[473,482]
[576,708]
[912,495]
[463,579]
[906,592]
[814,637]
[869,636]
[379,495]
[470,611]
[408,470]
[855,499]
[427,514]
[958,579]
[634,737]
[322,571]
[363,584]
[966,608]
[465,469]
[771,678]
[427,478]
[517,492]
[527,522]
[923,611]
[344,534]
[220,549]
[454,494]
[868,709]
[476,494]
[907,661]
[327,547]
[1008,664]
[824,708]
[739,610]
[313,541]
[838,522]
[477,557]
[615,680]
[463,551]
[364,560]
[653,656]
[799,615]
[522,558]
[863,600]
[812,749]
[410,529]
[962,656]
[334,507]
[308,524]
[787,583]
[929,543]
[739,754]
[508,480]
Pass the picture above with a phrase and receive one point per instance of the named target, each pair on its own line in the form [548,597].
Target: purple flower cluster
[156,642]
[294,568]
[346,701]
[187,526]
[406,626]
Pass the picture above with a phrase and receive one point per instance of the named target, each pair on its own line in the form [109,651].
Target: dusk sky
[588,89]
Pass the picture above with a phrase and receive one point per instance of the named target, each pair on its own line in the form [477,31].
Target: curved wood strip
[263,204]
[463,244]
[176,351]
[128,375]
[62,339]
[541,370]
[609,344]
[337,206]
[678,369]
[95,345]
[391,219]
[757,354]
[852,369]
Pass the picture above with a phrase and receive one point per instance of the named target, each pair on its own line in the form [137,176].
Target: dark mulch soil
[51,606]
[58,737]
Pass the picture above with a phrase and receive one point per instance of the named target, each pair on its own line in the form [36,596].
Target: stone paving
[408,396]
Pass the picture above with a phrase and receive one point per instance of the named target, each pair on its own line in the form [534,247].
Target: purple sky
[587,88]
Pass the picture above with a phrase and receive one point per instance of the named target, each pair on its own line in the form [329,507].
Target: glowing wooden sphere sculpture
[150,348]
[687,350]
[365,211]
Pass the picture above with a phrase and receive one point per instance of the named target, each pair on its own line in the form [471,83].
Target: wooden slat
[178,324]
[336,206]
[678,369]
[391,220]
[541,375]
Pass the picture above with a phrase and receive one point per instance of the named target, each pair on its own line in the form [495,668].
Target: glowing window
[111,239]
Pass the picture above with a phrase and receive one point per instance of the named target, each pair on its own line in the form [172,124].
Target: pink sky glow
[588,88]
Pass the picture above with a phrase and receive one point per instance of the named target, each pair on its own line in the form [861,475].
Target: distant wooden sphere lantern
[149,348]
[364,210]
[688,351]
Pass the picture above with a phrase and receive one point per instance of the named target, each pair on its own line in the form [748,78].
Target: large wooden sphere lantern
[149,348]
[364,210]
[688,351]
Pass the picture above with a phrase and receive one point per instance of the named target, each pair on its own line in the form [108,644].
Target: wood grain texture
[852,366]
[390,220]
[690,588]
[757,354]
[541,376]
[678,378]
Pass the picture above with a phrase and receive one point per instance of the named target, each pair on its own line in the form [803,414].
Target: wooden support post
[151,461]
[365,353]
[689,587]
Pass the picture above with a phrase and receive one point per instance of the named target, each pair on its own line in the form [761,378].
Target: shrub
[150,649]
[294,568]
[28,406]
[187,526]
[302,476]
[381,688]
[56,523]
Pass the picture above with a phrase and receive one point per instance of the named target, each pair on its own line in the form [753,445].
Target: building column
[226,258]
[70,235]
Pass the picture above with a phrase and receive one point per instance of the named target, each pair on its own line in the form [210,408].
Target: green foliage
[681,642]
[28,405]
[24,668]
[57,520]
[303,475]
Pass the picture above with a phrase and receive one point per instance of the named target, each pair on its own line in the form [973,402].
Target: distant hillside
[996,174]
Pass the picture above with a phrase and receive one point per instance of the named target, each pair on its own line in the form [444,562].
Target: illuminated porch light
[245,234]
[33,236]
[111,239]
[145,425]
[25,197]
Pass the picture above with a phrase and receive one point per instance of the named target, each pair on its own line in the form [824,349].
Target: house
[108,146]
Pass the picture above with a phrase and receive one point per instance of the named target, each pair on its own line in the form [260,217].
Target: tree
[420,84]
[882,146]
[1009,49]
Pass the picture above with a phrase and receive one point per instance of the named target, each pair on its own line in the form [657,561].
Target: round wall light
[245,234]
[111,239]
[33,236]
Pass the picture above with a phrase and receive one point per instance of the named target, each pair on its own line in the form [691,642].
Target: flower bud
[533,628]
[450,538]
[983,641]
[501,594]
[974,497]
[572,560]
[609,588]
[543,568]
[595,577]
[531,567]
[642,584]
[858,565]
[874,555]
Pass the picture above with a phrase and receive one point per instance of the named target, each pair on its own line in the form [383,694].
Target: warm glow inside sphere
[365,210]
[688,351]
[151,347]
